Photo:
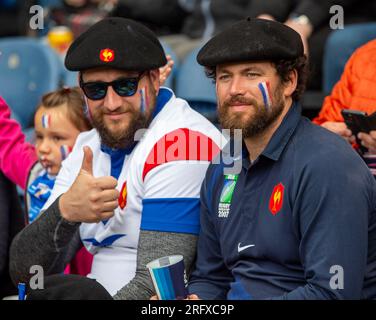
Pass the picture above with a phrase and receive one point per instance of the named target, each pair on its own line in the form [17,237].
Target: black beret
[251,39]
[117,43]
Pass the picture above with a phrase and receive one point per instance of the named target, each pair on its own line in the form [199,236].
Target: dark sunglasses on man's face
[97,90]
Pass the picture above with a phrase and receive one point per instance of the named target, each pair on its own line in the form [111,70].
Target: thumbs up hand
[87,162]
[89,199]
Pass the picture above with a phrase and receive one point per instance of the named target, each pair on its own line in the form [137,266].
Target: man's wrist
[63,208]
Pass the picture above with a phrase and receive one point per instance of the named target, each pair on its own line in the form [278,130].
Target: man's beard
[121,139]
[256,123]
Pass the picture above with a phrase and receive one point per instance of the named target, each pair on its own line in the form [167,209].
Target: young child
[58,121]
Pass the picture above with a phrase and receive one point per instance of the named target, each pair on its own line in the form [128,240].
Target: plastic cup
[168,275]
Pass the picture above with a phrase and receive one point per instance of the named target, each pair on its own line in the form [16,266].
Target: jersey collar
[163,97]
[283,134]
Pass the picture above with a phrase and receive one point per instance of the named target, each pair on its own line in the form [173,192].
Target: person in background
[79,15]
[163,17]
[354,91]
[312,20]
[348,39]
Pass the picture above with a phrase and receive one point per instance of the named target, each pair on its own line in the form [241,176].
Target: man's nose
[112,100]
[237,86]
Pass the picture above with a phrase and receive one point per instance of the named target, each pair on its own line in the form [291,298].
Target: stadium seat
[312,102]
[50,3]
[29,69]
[193,86]
[70,78]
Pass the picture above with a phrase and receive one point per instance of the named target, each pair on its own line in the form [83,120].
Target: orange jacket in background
[356,89]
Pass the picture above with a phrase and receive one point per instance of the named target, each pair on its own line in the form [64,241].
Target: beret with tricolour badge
[117,43]
[252,39]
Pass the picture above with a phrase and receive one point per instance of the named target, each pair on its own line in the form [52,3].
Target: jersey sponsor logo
[106,242]
[242,248]
[123,196]
[226,195]
[107,55]
[276,199]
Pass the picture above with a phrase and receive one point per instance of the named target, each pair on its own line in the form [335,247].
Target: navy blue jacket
[301,223]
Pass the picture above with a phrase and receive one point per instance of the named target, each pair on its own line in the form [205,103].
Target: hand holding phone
[359,121]
[339,128]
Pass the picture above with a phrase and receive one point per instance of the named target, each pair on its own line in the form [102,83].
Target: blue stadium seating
[50,3]
[70,78]
[193,86]
[28,69]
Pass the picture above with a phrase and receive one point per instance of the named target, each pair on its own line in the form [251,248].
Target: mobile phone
[359,121]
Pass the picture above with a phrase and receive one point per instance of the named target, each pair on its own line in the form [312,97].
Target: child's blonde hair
[74,101]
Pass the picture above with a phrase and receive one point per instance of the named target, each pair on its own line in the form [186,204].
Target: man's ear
[291,84]
[154,78]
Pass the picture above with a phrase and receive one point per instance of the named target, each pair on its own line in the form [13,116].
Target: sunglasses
[97,90]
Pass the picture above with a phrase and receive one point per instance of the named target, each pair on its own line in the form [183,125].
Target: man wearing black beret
[297,220]
[129,191]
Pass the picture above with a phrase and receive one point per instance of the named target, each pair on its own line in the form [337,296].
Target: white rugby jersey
[159,182]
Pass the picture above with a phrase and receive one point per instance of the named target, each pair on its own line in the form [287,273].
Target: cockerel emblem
[276,199]
[107,55]
[123,196]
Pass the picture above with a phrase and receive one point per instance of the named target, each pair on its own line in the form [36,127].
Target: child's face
[55,136]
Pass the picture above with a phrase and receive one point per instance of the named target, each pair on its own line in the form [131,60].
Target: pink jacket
[16,156]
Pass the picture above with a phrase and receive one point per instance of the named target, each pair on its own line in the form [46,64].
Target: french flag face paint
[144,99]
[264,87]
[65,151]
[87,112]
[46,121]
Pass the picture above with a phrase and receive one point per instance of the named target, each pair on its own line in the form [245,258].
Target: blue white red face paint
[65,151]
[46,121]
[144,99]
[264,87]
[87,110]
